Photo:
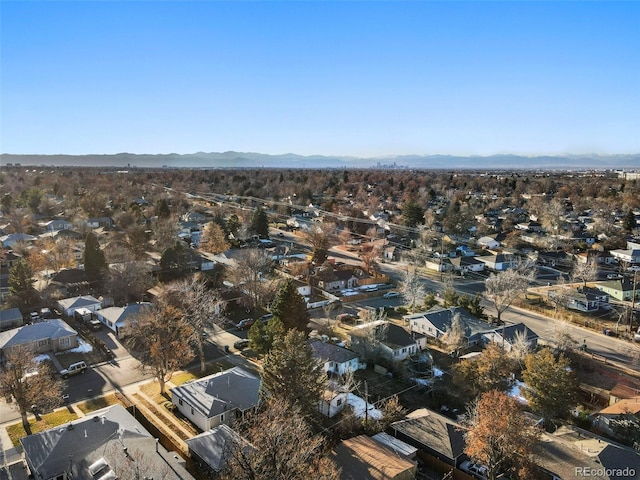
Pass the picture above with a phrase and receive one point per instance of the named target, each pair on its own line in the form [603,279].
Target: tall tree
[629,223]
[501,437]
[413,214]
[503,288]
[289,306]
[319,237]
[162,209]
[214,239]
[173,263]
[201,307]
[94,261]
[551,386]
[21,291]
[260,223]
[584,272]
[411,288]
[291,374]
[279,445]
[252,268]
[160,338]
[29,383]
[490,371]
[128,281]
[454,337]
[262,336]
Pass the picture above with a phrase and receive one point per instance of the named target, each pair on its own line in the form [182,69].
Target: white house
[488,242]
[335,359]
[57,224]
[395,342]
[631,255]
[115,318]
[499,262]
[507,336]
[217,399]
[333,401]
[70,305]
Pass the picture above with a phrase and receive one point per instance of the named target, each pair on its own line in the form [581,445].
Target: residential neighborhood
[373,329]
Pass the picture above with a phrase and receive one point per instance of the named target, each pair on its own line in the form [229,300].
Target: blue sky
[335,78]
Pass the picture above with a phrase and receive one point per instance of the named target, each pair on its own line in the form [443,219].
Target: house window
[42,343]
[222,417]
[404,350]
[192,412]
[180,401]
[339,402]
[65,341]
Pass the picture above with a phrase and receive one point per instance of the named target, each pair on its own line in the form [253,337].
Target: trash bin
[226,349]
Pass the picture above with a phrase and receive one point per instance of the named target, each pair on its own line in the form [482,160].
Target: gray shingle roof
[10,315]
[215,445]
[225,391]
[104,434]
[328,352]
[78,302]
[439,433]
[53,329]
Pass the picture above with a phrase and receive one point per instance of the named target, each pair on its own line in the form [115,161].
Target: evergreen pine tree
[260,223]
[292,374]
[290,307]
[21,283]
[94,261]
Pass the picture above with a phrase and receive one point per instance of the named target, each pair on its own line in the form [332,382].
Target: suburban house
[499,262]
[335,359]
[584,299]
[10,318]
[68,282]
[57,224]
[363,458]
[217,399]
[43,337]
[10,240]
[8,260]
[331,280]
[630,255]
[97,222]
[437,321]
[467,264]
[622,410]
[531,226]
[620,289]
[116,318]
[401,448]
[211,449]
[507,335]
[394,341]
[436,435]
[568,451]
[489,241]
[68,306]
[108,444]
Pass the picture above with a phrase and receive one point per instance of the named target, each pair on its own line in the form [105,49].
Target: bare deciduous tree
[412,289]
[279,445]
[454,337]
[160,338]
[584,272]
[503,288]
[128,281]
[201,307]
[29,383]
[250,274]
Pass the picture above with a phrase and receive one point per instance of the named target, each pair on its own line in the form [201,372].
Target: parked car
[74,369]
[613,276]
[265,318]
[477,471]
[241,344]
[245,324]
[391,295]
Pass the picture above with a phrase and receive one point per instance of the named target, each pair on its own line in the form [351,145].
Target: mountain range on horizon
[290,160]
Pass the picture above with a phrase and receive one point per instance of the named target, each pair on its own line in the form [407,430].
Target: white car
[391,295]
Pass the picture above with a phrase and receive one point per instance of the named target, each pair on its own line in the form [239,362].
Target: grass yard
[50,420]
[101,402]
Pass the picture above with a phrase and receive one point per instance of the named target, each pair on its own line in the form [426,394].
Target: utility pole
[366,403]
[633,300]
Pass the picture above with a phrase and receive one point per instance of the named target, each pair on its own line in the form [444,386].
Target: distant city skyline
[363,79]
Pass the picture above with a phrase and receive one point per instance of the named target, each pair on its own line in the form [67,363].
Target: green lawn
[98,403]
[50,420]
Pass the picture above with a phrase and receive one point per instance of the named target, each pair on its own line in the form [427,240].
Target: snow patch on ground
[83,347]
[516,393]
[360,406]
[42,358]
[437,372]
